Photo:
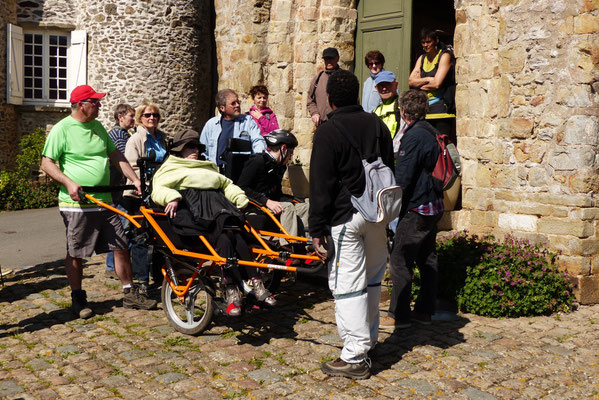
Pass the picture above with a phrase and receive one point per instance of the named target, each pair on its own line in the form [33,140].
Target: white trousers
[355,275]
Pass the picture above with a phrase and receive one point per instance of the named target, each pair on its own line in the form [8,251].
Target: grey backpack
[381,200]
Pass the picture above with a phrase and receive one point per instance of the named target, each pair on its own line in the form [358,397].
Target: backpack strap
[313,96]
[397,116]
[353,144]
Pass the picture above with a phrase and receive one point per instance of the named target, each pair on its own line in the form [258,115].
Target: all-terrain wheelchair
[296,250]
[192,292]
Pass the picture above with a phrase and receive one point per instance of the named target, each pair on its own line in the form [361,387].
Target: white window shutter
[77,60]
[14,67]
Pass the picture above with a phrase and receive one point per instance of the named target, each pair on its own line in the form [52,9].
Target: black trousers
[414,242]
[231,244]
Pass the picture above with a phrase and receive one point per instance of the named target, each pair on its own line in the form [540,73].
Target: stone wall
[31,117]
[159,50]
[528,125]
[279,43]
[8,117]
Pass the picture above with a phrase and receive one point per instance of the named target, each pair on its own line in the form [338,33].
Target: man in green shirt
[388,111]
[82,147]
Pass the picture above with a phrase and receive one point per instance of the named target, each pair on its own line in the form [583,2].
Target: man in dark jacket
[261,180]
[336,172]
[422,208]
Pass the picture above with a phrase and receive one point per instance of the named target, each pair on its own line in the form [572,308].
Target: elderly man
[231,123]
[386,86]
[82,147]
[336,173]
[318,102]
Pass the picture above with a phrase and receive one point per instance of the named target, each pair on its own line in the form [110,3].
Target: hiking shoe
[390,322]
[132,298]
[339,367]
[142,289]
[421,318]
[233,299]
[79,305]
[111,274]
[261,293]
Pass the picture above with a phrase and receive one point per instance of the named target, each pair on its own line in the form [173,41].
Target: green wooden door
[385,25]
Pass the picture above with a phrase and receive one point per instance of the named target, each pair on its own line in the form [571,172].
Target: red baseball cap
[84,92]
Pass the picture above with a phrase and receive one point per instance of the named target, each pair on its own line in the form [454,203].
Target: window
[44,66]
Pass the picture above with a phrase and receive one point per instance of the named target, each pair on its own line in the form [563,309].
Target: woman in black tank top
[434,73]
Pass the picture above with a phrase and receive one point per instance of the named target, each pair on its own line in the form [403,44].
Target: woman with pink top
[264,116]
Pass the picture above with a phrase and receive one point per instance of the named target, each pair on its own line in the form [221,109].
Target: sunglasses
[148,115]
[370,64]
[93,101]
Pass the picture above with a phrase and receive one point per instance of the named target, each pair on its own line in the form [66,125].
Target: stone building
[527,73]
[159,50]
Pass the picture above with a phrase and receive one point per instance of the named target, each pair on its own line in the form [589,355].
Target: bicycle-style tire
[193,317]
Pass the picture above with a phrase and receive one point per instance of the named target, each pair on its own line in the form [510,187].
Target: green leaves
[17,189]
[513,278]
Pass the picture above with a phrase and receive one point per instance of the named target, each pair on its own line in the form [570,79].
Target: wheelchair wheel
[194,315]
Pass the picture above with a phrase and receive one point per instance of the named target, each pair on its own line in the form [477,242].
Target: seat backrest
[147,167]
[237,153]
[191,243]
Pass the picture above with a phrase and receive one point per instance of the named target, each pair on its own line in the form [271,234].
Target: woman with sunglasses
[375,61]
[434,73]
[147,138]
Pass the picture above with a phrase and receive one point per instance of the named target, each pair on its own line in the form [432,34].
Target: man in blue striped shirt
[124,116]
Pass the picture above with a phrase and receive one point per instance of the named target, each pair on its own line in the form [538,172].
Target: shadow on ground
[295,300]
[48,277]
[28,281]
[440,334]
[55,317]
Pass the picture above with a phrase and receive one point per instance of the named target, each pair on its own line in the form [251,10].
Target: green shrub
[17,189]
[515,278]
[455,253]
[31,146]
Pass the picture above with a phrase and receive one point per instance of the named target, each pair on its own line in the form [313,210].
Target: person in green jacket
[184,169]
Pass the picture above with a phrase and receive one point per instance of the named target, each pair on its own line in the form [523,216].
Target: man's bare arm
[50,168]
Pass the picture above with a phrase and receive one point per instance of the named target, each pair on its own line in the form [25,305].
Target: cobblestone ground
[275,354]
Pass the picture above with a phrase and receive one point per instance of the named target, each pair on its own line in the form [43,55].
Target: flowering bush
[456,253]
[514,278]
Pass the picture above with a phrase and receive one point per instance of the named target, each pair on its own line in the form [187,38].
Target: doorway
[393,27]
[384,25]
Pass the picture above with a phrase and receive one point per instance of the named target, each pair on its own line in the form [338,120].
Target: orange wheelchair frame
[189,292]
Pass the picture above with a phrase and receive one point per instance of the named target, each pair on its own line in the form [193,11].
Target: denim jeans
[139,255]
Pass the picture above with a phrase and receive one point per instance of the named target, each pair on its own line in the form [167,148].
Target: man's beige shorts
[99,231]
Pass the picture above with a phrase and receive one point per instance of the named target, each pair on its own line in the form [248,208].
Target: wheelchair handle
[105,189]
